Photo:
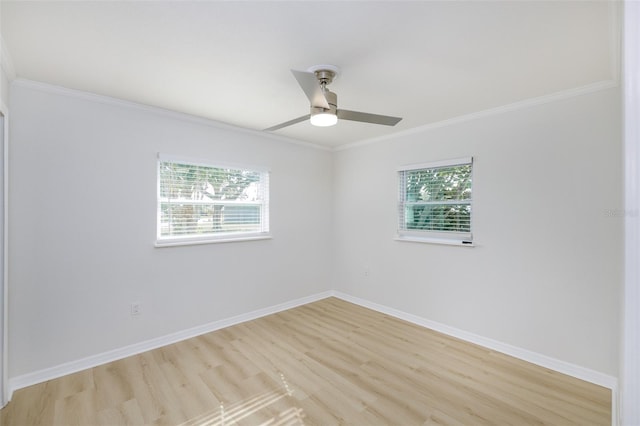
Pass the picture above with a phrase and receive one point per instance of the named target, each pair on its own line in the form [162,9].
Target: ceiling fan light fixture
[324,110]
[324,119]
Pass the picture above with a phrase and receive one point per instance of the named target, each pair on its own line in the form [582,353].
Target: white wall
[4,87]
[546,273]
[83,223]
[545,276]
[7,72]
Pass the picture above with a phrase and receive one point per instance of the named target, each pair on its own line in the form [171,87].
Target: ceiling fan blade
[311,87]
[288,123]
[365,117]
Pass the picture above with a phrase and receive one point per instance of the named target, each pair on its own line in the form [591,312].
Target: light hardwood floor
[325,363]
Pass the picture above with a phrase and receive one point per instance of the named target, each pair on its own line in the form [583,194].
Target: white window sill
[191,241]
[431,240]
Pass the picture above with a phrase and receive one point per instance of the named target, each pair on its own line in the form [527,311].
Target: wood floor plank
[326,363]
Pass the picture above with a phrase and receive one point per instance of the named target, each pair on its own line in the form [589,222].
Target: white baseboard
[554,364]
[45,374]
[563,367]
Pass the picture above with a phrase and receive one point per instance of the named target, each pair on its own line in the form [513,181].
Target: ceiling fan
[324,103]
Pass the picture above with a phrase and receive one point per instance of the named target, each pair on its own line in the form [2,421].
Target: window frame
[223,237]
[432,236]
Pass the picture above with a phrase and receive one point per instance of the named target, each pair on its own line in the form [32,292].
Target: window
[199,202]
[435,202]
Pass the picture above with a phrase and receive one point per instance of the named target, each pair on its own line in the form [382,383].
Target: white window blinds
[199,201]
[435,200]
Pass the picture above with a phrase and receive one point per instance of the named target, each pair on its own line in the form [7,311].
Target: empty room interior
[319,212]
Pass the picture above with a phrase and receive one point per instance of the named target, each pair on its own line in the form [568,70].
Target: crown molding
[616,17]
[527,103]
[106,100]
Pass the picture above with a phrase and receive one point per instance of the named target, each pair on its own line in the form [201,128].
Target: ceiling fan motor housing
[332,100]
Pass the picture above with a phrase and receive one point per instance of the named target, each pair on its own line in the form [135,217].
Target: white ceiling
[230,61]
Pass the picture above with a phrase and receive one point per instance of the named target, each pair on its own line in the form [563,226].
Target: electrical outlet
[136,309]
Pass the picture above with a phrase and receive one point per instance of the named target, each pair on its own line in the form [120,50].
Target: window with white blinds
[199,202]
[435,201]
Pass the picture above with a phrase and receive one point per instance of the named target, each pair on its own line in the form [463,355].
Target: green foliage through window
[199,200]
[436,198]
